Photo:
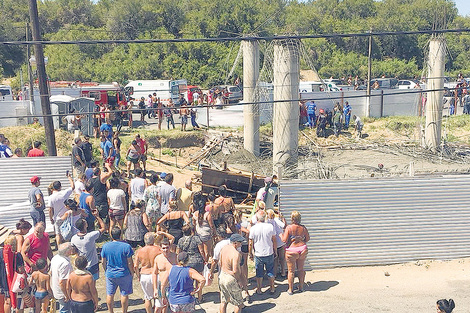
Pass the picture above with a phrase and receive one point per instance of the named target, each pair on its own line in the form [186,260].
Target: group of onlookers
[338,119]
[183,237]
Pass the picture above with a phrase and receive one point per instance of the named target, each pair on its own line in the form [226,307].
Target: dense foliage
[209,63]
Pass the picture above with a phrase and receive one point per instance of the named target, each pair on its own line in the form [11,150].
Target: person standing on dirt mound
[321,124]
[337,119]
[347,114]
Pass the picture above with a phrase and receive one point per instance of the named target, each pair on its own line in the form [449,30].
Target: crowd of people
[338,119]
[173,240]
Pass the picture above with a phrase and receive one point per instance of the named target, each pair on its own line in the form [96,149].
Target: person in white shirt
[268,193]
[263,249]
[79,185]
[137,186]
[57,207]
[117,203]
[60,270]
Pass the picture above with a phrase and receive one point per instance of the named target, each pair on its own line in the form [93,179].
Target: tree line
[207,64]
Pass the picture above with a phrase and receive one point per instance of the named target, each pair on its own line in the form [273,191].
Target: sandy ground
[410,287]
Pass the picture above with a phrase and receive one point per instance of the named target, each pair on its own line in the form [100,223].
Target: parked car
[336,81]
[406,84]
[232,93]
[385,83]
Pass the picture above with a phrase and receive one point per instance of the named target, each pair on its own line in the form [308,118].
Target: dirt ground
[409,287]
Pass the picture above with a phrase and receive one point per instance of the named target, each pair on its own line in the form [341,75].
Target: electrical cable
[226,39]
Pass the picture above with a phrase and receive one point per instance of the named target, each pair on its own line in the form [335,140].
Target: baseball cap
[162,175]
[237,238]
[35,179]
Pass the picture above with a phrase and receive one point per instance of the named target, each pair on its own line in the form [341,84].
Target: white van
[5,93]
[313,86]
[165,89]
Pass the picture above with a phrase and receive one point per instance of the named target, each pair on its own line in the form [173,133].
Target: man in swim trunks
[230,279]
[119,269]
[143,265]
[41,279]
[81,288]
[162,267]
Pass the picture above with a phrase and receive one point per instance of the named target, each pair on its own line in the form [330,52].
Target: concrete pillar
[250,111]
[432,133]
[286,113]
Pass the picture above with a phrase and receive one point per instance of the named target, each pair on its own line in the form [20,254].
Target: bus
[166,90]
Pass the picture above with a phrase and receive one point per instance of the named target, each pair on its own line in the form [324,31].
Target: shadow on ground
[320,285]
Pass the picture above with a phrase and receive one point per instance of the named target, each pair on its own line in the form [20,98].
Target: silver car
[232,92]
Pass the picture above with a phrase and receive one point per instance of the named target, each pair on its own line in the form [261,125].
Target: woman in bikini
[226,208]
[296,237]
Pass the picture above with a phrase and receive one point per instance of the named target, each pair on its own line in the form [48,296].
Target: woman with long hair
[133,157]
[74,213]
[136,224]
[22,228]
[203,222]
[173,221]
[296,237]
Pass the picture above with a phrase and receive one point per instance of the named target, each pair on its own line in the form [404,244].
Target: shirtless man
[42,281]
[143,264]
[81,288]
[161,270]
[230,278]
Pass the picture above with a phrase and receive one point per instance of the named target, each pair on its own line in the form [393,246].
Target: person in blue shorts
[119,269]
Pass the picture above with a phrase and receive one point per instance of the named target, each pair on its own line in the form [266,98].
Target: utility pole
[251,110]
[286,113]
[435,81]
[369,74]
[42,78]
[30,75]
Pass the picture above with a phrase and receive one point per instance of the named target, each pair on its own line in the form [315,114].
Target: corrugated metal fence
[381,221]
[15,174]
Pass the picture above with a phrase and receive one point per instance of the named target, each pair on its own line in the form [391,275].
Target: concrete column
[432,134]
[286,113]
[250,111]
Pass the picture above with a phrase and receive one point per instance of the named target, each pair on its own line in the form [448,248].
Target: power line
[225,39]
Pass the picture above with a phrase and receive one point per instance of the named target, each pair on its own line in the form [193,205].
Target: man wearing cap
[57,207]
[36,199]
[267,194]
[230,278]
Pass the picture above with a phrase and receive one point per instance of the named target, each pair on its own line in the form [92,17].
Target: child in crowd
[41,280]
